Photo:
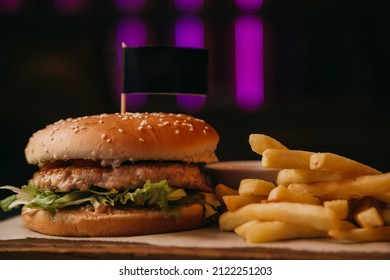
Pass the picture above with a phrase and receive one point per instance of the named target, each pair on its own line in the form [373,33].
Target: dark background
[326,74]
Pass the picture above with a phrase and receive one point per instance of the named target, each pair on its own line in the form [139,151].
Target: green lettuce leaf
[167,198]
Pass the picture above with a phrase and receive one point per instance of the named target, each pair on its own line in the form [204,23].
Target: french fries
[340,207]
[281,193]
[256,232]
[316,195]
[318,217]
[283,159]
[260,142]
[290,176]
[336,163]
[233,202]
[222,190]
[348,188]
[255,187]
[363,234]
[369,218]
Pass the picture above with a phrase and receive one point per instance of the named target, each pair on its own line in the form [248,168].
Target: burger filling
[159,185]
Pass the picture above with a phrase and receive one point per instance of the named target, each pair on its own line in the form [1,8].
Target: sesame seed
[204,131]
[141,139]
[100,121]
[103,136]
[120,130]
[108,140]
[177,131]
[143,122]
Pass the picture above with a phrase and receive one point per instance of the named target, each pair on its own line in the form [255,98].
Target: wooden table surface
[36,248]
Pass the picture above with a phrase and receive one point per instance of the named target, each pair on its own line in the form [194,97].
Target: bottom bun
[123,222]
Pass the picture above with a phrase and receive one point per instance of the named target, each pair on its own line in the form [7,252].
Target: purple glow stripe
[189,6]
[130,5]
[249,6]
[189,32]
[249,62]
[131,32]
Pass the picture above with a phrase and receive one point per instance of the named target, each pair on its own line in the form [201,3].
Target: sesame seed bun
[128,222]
[120,152]
[115,138]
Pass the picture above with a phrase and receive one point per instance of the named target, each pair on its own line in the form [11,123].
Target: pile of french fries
[315,195]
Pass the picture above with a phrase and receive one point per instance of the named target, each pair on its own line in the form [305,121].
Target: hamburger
[118,175]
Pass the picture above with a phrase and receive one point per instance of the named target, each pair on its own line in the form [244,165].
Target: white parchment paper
[210,237]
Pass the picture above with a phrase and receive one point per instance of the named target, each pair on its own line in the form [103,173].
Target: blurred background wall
[313,74]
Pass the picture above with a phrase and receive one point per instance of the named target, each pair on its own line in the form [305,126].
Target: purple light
[130,5]
[189,32]
[69,6]
[249,62]
[250,6]
[133,33]
[10,5]
[189,6]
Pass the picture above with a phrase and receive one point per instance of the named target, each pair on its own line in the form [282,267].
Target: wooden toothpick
[123,103]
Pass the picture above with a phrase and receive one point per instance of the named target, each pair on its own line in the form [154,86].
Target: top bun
[115,138]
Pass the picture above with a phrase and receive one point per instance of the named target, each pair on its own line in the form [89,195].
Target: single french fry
[286,159]
[314,216]
[369,218]
[259,232]
[346,225]
[337,163]
[233,202]
[222,190]
[369,185]
[339,206]
[385,197]
[306,176]
[281,193]
[260,142]
[255,187]
[363,234]
[385,213]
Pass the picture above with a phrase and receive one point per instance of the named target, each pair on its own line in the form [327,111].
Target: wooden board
[36,248]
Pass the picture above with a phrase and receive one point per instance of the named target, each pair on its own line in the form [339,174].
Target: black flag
[165,70]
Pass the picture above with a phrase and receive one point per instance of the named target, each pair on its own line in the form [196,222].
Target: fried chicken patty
[65,179]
